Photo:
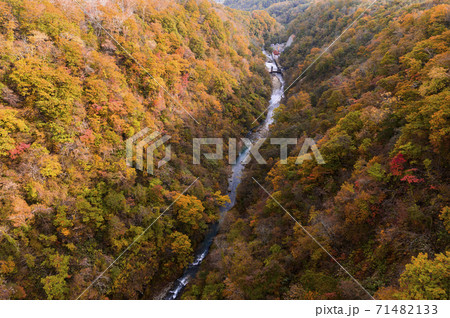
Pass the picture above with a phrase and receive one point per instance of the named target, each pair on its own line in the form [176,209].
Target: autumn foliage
[377,103]
[74,85]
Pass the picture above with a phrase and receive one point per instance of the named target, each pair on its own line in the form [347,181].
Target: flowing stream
[237,170]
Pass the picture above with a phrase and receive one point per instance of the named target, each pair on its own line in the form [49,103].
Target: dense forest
[282,10]
[250,5]
[377,103]
[76,80]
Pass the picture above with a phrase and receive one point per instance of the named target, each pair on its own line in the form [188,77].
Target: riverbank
[237,170]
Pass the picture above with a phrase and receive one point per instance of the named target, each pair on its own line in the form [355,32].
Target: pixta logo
[253,150]
[146,140]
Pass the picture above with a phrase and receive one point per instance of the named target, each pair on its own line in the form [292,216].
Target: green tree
[51,90]
[425,278]
[182,248]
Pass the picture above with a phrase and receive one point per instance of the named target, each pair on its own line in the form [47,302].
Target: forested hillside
[377,103]
[74,85]
[250,5]
[282,10]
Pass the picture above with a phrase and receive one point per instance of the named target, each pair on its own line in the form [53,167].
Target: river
[236,173]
